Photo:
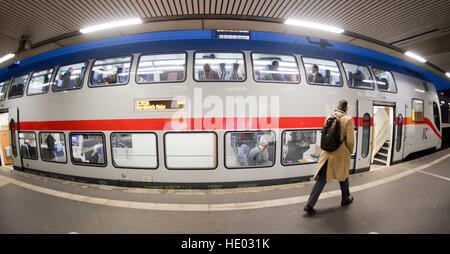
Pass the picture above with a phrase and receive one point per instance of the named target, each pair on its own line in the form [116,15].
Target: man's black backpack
[331,133]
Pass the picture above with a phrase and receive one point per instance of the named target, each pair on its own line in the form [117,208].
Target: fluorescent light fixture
[119,23]
[7,57]
[415,56]
[447,74]
[312,25]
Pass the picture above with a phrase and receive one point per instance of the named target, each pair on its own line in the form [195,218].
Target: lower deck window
[300,147]
[249,149]
[28,148]
[53,147]
[190,150]
[134,150]
[88,149]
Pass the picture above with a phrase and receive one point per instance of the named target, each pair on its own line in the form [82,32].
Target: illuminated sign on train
[150,105]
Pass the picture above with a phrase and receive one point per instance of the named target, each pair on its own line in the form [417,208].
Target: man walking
[334,160]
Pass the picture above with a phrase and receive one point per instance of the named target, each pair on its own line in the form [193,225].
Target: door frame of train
[3,111]
[14,115]
[394,126]
[363,107]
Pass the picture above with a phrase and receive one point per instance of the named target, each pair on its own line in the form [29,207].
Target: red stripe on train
[194,124]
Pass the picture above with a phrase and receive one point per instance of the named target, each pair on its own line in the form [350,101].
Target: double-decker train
[209,114]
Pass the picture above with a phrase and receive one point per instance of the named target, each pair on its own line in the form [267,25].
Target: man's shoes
[348,201]
[309,210]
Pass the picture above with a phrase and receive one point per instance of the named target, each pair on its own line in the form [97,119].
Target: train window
[28,145]
[111,71]
[358,76]
[417,110]
[157,68]
[69,77]
[12,136]
[275,68]
[399,132]
[40,82]
[385,80]
[322,72]
[219,66]
[436,116]
[18,86]
[249,149]
[53,147]
[300,147]
[134,150]
[190,150]
[88,148]
[3,89]
[365,136]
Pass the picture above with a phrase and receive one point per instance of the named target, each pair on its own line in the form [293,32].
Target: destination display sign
[156,104]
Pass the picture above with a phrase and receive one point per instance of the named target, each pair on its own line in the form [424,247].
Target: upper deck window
[385,80]
[322,72]
[275,68]
[69,77]
[17,86]
[111,71]
[39,82]
[3,89]
[156,68]
[215,66]
[358,76]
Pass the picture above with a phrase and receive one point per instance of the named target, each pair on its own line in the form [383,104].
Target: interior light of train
[415,56]
[7,57]
[312,25]
[119,23]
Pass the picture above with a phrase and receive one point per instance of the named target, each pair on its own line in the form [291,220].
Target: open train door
[364,144]
[14,128]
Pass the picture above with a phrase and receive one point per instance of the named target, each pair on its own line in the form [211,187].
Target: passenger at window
[50,141]
[275,75]
[66,78]
[209,74]
[259,154]
[222,71]
[47,77]
[315,76]
[80,77]
[294,151]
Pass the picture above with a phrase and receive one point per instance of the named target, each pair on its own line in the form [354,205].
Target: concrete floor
[410,197]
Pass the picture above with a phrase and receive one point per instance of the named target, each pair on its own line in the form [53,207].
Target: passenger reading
[144,105]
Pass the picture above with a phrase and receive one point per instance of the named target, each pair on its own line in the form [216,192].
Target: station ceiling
[416,25]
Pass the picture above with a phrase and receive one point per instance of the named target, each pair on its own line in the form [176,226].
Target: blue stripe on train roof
[205,40]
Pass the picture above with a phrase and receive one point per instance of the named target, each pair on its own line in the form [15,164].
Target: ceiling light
[7,57]
[415,56]
[119,23]
[314,26]
[447,74]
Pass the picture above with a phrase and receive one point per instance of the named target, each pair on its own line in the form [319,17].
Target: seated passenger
[65,78]
[314,75]
[259,156]
[209,74]
[275,75]
[222,71]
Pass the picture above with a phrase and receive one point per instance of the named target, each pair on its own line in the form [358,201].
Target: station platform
[408,198]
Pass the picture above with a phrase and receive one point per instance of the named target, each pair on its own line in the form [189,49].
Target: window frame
[162,53]
[412,107]
[218,51]
[140,168]
[249,131]
[7,89]
[327,59]
[24,88]
[191,132]
[71,89]
[104,58]
[65,146]
[372,76]
[393,78]
[88,164]
[50,81]
[275,81]
[362,139]
[20,149]
[299,164]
